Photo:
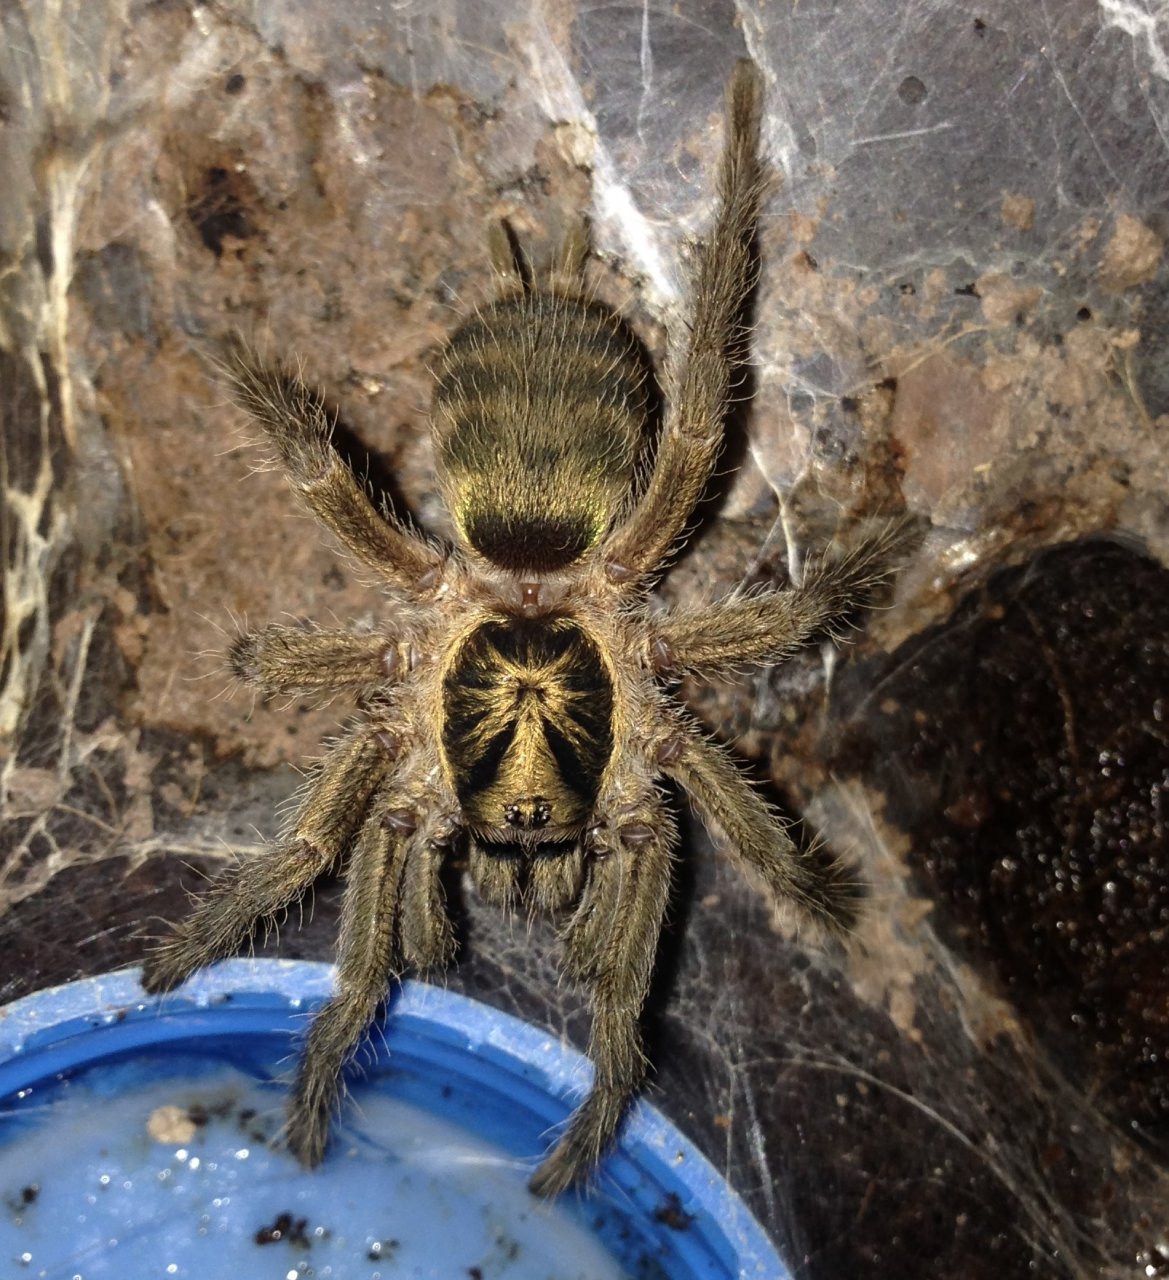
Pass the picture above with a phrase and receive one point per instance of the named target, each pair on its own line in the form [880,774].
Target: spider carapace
[514,699]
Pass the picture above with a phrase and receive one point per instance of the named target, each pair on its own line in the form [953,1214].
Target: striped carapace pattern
[527,724]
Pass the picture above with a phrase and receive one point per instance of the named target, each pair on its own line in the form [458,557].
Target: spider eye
[528,814]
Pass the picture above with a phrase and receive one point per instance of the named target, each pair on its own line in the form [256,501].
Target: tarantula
[512,701]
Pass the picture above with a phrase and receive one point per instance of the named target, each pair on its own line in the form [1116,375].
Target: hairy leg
[726,801]
[307,660]
[259,887]
[611,943]
[770,626]
[698,382]
[586,933]
[367,962]
[294,419]
[428,940]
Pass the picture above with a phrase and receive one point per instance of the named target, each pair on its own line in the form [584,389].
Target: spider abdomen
[527,727]
[538,416]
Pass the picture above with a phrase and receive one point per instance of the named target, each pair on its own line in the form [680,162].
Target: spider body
[513,702]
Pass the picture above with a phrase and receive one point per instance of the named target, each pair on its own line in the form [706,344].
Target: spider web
[961,309]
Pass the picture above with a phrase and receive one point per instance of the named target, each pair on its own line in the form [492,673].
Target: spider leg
[771,626]
[368,960]
[307,660]
[698,384]
[428,940]
[294,419]
[259,887]
[726,801]
[611,942]
[585,933]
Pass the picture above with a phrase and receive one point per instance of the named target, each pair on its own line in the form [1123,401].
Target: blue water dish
[137,1138]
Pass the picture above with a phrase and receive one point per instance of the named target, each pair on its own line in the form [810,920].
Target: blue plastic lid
[136,1140]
